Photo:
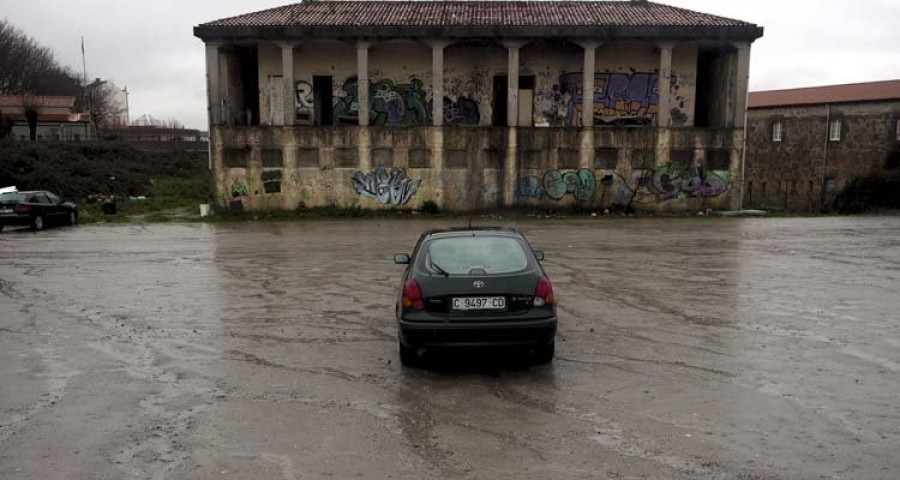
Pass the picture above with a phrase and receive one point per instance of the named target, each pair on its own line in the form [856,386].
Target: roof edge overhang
[212,33]
[824,104]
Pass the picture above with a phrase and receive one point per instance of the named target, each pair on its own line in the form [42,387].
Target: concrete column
[742,83]
[362,76]
[664,117]
[587,82]
[512,83]
[437,81]
[213,84]
[287,71]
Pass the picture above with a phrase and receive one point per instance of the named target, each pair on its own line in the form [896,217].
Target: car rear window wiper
[437,268]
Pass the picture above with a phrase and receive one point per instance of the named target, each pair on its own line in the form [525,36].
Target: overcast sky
[149,46]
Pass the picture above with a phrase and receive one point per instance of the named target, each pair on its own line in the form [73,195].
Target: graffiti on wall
[463,111]
[556,185]
[387,186]
[271,180]
[239,189]
[672,181]
[619,99]
[303,100]
[389,103]
[346,102]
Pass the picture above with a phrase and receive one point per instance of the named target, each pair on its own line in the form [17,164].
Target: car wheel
[544,355]
[1,227]
[37,223]
[408,356]
[73,218]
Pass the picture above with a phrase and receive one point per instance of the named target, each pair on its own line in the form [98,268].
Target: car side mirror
[539,255]
[401,259]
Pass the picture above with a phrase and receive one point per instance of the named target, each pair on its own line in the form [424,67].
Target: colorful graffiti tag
[398,104]
[303,100]
[672,181]
[463,111]
[390,187]
[346,102]
[556,185]
[389,103]
[582,184]
[619,98]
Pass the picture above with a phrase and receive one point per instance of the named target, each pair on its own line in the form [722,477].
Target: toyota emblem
[478,284]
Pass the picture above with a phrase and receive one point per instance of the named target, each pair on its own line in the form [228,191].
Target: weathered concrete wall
[465,168]
[790,175]
[400,79]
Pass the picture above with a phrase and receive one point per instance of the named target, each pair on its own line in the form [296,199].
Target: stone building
[804,145]
[478,105]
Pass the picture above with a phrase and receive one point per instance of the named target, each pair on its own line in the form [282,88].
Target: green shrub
[878,190]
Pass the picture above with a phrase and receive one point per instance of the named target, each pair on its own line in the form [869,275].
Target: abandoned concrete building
[478,105]
[805,145]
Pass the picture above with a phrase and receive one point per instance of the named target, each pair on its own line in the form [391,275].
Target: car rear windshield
[12,197]
[476,255]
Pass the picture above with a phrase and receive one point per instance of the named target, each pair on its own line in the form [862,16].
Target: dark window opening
[323,103]
[272,158]
[248,61]
[714,72]
[606,158]
[501,95]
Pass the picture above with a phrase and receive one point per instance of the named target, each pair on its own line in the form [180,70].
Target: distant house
[805,145]
[57,118]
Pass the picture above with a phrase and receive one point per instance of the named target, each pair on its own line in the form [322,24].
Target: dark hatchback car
[36,209]
[481,287]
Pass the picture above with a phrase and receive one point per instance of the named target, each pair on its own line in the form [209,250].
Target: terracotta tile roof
[40,101]
[471,13]
[854,92]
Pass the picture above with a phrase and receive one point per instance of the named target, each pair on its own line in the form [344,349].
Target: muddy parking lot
[688,348]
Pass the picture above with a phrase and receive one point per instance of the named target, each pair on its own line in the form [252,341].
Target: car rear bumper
[15,219]
[477,334]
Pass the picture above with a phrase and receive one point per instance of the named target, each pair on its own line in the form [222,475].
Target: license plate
[479,303]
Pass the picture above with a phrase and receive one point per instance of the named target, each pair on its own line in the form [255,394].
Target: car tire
[544,355]
[37,223]
[409,356]
[1,227]
[73,218]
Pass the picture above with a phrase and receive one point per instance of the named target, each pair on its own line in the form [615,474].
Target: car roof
[475,231]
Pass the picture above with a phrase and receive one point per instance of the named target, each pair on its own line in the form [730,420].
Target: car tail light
[543,294]
[412,296]
[23,208]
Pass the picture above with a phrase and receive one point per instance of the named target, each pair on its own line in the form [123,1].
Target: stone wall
[790,175]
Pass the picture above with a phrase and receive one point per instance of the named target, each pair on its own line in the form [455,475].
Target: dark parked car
[478,287]
[36,209]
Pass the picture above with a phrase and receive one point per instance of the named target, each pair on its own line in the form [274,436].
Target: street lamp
[127,114]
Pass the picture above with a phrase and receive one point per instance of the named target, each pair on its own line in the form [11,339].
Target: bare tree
[27,67]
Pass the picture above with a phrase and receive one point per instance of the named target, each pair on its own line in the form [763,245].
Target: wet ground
[688,348]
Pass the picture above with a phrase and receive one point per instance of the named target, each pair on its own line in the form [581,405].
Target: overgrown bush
[878,190]
[78,170]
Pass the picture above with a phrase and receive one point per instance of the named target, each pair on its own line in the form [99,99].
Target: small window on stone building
[897,129]
[777,130]
[834,131]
